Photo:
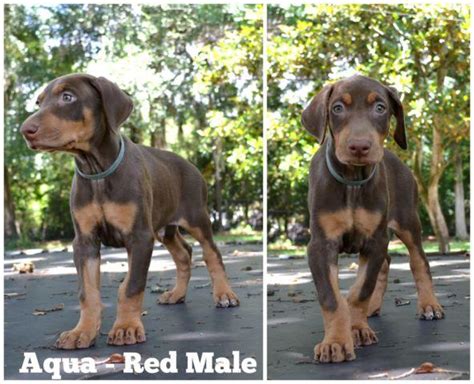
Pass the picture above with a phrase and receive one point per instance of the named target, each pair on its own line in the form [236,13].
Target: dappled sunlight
[288,278]
[248,283]
[190,336]
[405,266]
[462,277]
[283,320]
[444,347]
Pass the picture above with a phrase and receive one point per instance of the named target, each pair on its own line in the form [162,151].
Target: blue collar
[110,170]
[341,179]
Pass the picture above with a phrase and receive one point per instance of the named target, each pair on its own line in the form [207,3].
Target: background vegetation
[195,73]
[421,50]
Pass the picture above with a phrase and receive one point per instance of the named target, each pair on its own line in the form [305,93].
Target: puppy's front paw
[126,332]
[77,338]
[334,351]
[224,297]
[171,297]
[430,311]
[363,336]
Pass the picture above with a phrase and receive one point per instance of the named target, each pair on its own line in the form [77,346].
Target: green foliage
[422,50]
[194,72]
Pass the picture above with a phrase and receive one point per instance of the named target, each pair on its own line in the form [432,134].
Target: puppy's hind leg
[200,229]
[181,252]
[376,300]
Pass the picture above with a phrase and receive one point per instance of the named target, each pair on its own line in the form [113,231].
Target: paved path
[295,323]
[196,326]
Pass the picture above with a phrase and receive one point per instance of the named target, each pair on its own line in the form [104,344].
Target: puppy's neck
[101,155]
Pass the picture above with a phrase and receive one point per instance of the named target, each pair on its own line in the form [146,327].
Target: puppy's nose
[359,147]
[29,129]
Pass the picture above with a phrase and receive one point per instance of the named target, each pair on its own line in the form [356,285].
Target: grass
[285,247]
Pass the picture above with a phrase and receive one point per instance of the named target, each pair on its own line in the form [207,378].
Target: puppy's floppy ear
[117,105]
[397,111]
[315,115]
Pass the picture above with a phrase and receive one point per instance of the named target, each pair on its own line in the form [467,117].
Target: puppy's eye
[67,97]
[338,108]
[380,108]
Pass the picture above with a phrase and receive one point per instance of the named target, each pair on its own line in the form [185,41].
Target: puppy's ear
[315,115]
[397,111]
[116,104]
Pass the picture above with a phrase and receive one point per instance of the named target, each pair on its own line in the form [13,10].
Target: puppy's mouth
[362,161]
[37,145]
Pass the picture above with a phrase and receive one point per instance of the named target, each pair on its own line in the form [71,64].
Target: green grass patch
[241,234]
[396,246]
[19,244]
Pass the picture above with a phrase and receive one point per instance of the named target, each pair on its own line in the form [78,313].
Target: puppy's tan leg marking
[182,259]
[84,333]
[128,327]
[428,305]
[376,300]
[337,345]
[361,332]
[223,294]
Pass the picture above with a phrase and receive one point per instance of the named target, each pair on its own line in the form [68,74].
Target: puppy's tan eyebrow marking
[372,97]
[58,89]
[347,98]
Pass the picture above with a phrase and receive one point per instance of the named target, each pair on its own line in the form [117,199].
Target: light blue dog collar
[110,170]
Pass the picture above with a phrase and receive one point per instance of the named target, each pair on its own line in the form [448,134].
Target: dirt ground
[295,323]
[196,326]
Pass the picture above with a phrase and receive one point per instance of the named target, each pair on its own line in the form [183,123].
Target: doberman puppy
[123,195]
[357,190]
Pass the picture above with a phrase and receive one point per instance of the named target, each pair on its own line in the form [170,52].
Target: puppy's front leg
[128,327]
[372,257]
[337,345]
[87,261]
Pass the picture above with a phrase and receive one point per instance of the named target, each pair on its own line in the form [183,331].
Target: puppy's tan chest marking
[335,224]
[119,215]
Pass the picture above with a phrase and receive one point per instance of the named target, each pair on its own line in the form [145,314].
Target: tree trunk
[437,219]
[10,230]
[429,191]
[460,210]
[218,182]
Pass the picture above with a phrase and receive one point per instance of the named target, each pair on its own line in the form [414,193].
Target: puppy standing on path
[357,190]
[123,195]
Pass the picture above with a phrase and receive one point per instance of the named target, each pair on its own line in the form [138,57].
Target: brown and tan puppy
[357,190]
[123,195]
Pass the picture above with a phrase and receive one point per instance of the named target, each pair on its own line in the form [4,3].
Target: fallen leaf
[13,295]
[428,367]
[25,267]
[44,311]
[400,301]
[115,358]
[353,267]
